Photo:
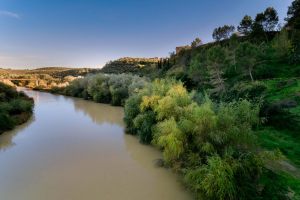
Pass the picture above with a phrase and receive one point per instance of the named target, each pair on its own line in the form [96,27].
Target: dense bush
[77,88]
[278,115]
[106,88]
[247,90]
[19,106]
[6,122]
[15,107]
[211,144]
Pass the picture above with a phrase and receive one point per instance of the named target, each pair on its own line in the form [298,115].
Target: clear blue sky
[88,33]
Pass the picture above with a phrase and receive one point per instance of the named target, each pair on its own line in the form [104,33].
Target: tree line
[113,89]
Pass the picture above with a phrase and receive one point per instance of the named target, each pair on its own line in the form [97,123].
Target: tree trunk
[250,74]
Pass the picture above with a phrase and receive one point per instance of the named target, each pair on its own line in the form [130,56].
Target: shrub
[170,138]
[131,111]
[6,122]
[279,116]
[215,180]
[212,144]
[19,106]
[103,88]
[247,90]
[145,122]
[15,107]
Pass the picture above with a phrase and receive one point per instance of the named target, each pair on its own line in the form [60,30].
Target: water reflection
[99,113]
[138,152]
[7,138]
[102,113]
[75,149]
[144,155]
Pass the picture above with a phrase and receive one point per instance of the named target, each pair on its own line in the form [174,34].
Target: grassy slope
[287,141]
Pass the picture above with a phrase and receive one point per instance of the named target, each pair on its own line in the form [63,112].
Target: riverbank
[165,105]
[76,149]
[15,108]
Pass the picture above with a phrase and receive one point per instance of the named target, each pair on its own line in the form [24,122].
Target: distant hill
[131,65]
[46,77]
[56,72]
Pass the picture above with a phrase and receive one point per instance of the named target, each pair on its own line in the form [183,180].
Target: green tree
[257,27]
[270,19]
[293,15]
[197,42]
[281,46]
[216,65]
[247,57]
[197,70]
[293,23]
[245,26]
[223,32]
[265,21]
[296,46]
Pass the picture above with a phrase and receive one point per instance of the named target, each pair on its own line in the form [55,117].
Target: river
[72,149]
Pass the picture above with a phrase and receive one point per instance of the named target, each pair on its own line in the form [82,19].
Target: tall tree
[215,58]
[293,23]
[293,15]
[223,32]
[266,21]
[197,71]
[245,26]
[296,46]
[270,19]
[172,57]
[197,42]
[282,47]
[233,45]
[247,57]
[258,22]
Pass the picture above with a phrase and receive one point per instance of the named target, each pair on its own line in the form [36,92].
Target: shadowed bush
[15,107]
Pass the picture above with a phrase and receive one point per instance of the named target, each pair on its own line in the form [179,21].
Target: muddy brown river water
[74,149]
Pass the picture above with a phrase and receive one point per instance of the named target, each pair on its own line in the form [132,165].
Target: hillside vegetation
[225,114]
[141,66]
